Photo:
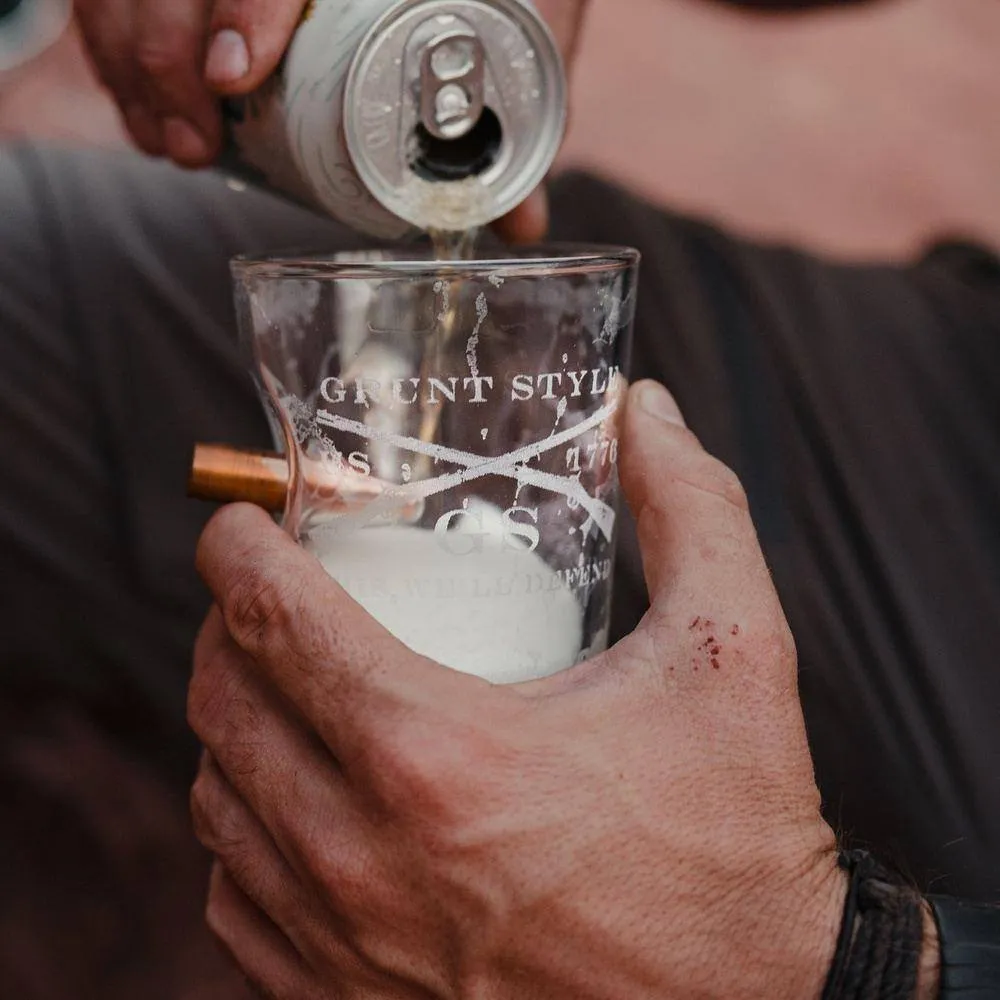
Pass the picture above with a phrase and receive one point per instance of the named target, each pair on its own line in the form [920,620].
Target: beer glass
[451,430]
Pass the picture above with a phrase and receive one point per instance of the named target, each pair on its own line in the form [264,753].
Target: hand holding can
[388,115]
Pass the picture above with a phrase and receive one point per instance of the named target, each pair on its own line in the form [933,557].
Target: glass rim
[527,261]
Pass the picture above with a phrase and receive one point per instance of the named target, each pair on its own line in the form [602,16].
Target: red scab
[716,650]
[735,630]
[710,640]
[715,663]
[695,623]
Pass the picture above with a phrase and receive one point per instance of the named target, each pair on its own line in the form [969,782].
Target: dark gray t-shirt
[860,405]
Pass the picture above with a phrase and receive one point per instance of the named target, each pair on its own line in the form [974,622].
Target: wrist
[888,938]
[832,901]
[798,950]
[929,972]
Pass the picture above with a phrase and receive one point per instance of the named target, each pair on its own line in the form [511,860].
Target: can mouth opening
[473,154]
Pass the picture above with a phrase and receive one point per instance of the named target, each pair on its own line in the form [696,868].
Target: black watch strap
[970,949]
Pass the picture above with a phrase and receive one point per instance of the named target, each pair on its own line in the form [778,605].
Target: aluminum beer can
[402,115]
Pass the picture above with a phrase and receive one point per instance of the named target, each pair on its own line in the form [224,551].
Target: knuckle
[220,826]
[349,875]
[712,476]
[201,810]
[397,759]
[770,646]
[421,775]
[263,992]
[163,57]
[406,771]
[781,641]
[211,694]
[218,919]
[227,928]
[256,606]
[212,824]
[730,487]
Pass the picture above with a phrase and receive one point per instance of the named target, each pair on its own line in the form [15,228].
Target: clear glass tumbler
[451,430]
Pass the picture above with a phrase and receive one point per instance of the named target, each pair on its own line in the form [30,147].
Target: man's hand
[168,62]
[645,825]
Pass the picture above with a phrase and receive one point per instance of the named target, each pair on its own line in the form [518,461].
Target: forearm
[929,977]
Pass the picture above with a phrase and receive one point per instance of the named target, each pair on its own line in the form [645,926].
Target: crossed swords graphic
[511,466]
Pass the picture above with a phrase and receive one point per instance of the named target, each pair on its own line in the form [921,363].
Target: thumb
[699,546]
[247,40]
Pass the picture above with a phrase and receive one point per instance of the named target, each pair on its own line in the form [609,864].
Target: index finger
[341,669]
[169,45]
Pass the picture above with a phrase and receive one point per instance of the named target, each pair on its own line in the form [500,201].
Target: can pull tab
[451,84]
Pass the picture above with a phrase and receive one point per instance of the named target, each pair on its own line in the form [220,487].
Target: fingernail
[658,403]
[185,143]
[228,58]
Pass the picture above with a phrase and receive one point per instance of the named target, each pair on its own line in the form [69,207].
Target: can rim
[487,203]
[410,262]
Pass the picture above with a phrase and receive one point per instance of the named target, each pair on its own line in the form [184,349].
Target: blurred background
[857,132]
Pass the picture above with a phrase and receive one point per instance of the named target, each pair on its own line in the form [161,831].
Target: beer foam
[477,603]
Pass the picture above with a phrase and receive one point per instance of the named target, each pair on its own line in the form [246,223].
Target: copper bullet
[223,474]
